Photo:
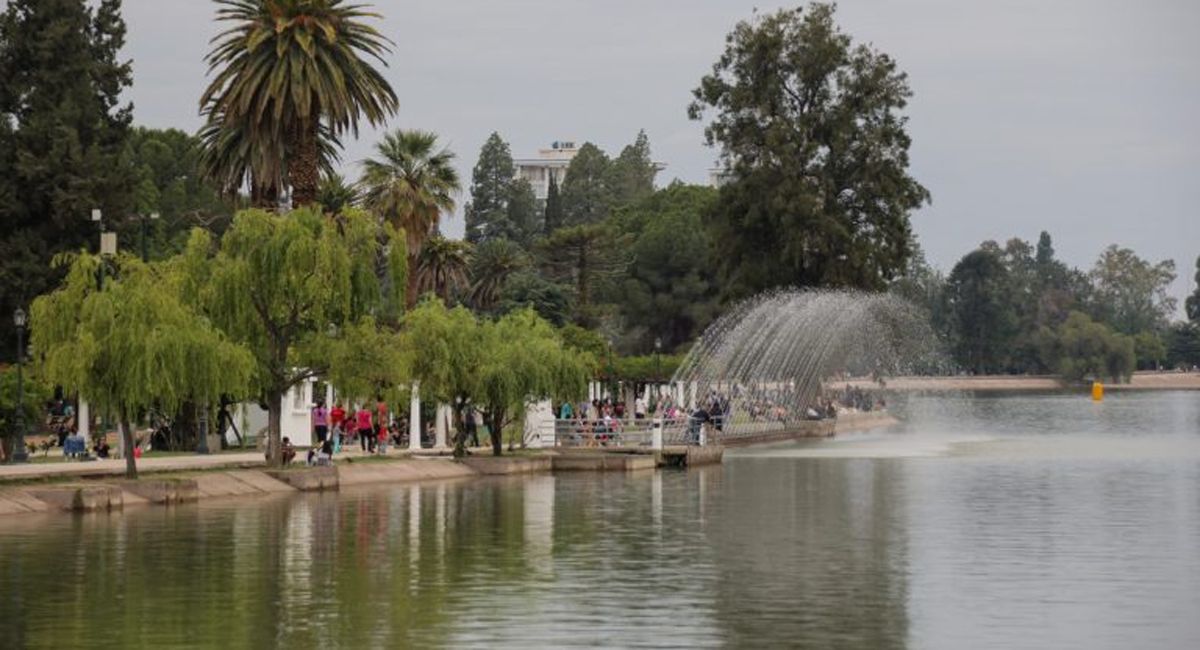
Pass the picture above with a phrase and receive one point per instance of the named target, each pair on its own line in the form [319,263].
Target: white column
[414,418]
[83,419]
[656,434]
[692,402]
[539,425]
[439,426]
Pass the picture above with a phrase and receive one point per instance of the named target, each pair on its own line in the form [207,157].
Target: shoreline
[1141,381]
[70,487]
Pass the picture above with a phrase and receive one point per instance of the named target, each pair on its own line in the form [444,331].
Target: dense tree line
[1018,309]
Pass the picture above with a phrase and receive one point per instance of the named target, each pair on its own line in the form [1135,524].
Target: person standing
[320,422]
[639,407]
[366,433]
[472,426]
[381,423]
[337,419]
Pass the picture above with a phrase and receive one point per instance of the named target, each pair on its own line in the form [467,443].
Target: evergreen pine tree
[63,136]
[631,176]
[491,183]
[554,209]
[586,195]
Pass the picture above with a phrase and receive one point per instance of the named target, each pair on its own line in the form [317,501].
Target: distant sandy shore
[1141,381]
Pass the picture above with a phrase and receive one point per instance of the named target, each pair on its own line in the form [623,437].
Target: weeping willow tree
[295,290]
[367,362]
[136,344]
[524,361]
[497,366]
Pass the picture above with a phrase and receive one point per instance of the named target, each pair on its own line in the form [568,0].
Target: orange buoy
[1097,391]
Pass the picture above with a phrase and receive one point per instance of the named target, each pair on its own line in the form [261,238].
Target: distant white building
[552,162]
[718,176]
[549,162]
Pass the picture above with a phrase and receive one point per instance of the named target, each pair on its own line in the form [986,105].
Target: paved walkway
[116,467]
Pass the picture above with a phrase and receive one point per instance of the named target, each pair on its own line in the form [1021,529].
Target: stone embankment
[173,487]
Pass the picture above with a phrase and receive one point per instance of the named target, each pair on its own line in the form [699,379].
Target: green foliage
[35,393]
[63,131]
[394,276]
[335,195]
[285,67]
[1082,348]
[497,366]
[487,212]
[410,185]
[1131,294]
[136,344]
[981,315]
[646,368]
[669,291]
[444,268]
[631,174]
[366,360]
[171,182]
[283,286]
[583,255]
[552,218]
[524,223]
[585,341]
[586,195]
[1183,345]
[493,263]
[1193,301]
[1150,350]
[816,153]
[527,289]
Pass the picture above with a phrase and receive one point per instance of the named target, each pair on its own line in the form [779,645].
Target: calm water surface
[1030,521]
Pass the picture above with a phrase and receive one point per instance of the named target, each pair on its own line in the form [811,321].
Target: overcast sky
[1079,117]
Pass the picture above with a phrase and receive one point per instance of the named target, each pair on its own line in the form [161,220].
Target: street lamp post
[657,364]
[20,454]
[146,219]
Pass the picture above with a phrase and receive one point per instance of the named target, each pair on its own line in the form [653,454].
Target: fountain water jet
[767,359]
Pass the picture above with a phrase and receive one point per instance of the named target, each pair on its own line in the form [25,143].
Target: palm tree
[494,261]
[233,156]
[335,194]
[410,185]
[288,67]
[442,268]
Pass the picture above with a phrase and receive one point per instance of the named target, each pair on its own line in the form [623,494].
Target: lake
[982,521]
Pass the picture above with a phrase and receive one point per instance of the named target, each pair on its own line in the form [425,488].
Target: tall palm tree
[443,267]
[493,262]
[410,184]
[287,67]
[233,156]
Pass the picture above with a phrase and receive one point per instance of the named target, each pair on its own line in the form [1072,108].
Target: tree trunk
[496,431]
[274,415]
[127,441]
[413,262]
[304,167]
